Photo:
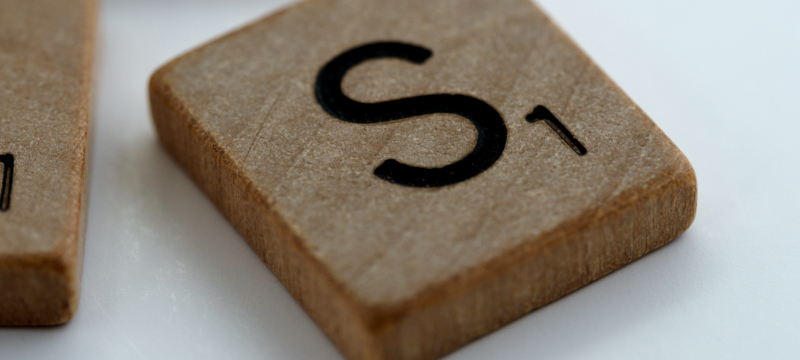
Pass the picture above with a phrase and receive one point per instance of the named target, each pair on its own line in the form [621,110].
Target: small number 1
[541,113]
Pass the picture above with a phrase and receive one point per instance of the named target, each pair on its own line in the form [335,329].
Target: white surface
[167,277]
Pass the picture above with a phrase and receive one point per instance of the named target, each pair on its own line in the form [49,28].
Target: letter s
[492,132]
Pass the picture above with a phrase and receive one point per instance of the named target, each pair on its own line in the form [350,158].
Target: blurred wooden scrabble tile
[46,49]
[418,173]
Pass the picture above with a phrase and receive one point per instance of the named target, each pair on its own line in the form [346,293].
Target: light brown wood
[400,272]
[46,50]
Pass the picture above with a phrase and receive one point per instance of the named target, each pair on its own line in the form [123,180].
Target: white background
[167,277]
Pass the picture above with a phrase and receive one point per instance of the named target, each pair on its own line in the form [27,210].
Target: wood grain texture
[46,51]
[399,272]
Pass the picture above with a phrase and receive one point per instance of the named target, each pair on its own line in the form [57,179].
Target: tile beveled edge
[55,270]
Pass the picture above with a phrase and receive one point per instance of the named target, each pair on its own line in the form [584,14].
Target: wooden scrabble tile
[46,49]
[418,173]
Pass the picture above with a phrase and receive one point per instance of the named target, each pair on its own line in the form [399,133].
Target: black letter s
[492,132]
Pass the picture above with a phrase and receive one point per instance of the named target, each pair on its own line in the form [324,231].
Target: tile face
[418,173]
[46,49]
